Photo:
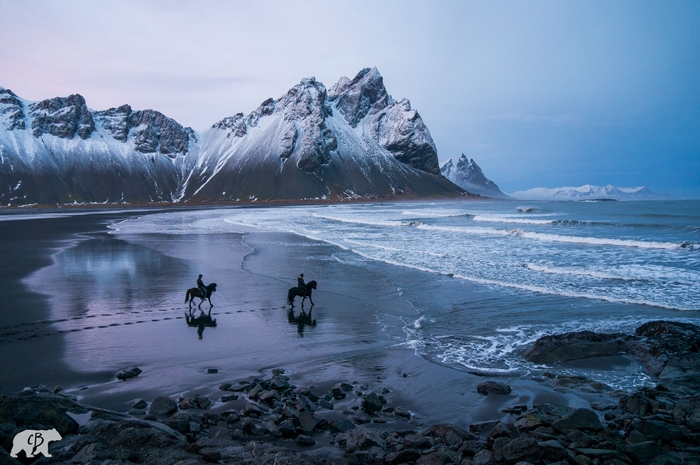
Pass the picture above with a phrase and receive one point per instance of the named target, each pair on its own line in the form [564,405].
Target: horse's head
[311,284]
[212,286]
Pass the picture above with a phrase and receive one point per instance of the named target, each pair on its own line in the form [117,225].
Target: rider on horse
[301,284]
[200,285]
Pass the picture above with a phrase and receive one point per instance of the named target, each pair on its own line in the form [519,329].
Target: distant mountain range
[353,141]
[467,175]
[589,192]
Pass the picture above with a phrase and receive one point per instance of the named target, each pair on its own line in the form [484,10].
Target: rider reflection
[202,321]
[302,321]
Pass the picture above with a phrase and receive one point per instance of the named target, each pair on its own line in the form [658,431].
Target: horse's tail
[290,295]
[187,296]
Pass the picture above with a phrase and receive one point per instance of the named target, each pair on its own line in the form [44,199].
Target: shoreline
[342,320]
[254,262]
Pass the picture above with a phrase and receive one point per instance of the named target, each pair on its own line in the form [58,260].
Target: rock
[687,412]
[574,346]
[552,450]
[252,410]
[304,440]
[484,457]
[580,419]
[522,449]
[337,392]
[450,434]
[39,410]
[197,402]
[482,426]
[268,397]
[362,438]
[371,403]
[162,406]
[493,387]
[416,441]
[139,404]
[308,421]
[340,425]
[404,456]
[249,427]
[129,373]
[212,370]
[434,458]
[287,429]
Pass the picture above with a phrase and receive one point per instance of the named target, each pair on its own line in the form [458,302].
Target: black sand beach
[82,304]
[87,304]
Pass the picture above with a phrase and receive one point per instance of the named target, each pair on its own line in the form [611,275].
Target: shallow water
[464,285]
[485,279]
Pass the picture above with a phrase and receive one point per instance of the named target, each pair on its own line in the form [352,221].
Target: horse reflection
[204,320]
[302,320]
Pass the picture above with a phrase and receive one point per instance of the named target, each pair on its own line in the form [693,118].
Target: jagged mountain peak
[11,110]
[149,130]
[361,96]
[468,175]
[351,142]
[62,117]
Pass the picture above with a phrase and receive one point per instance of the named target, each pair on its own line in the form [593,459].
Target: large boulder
[558,348]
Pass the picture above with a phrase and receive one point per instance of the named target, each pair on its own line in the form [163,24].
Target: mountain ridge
[468,175]
[352,141]
[589,192]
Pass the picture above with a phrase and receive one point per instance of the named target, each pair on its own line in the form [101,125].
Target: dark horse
[301,292]
[196,292]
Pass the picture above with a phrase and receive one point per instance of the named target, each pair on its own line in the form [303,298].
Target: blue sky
[539,93]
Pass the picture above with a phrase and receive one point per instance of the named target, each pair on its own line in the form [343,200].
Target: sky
[539,93]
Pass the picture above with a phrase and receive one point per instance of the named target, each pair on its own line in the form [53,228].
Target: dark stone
[580,419]
[574,346]
[287,429]
[362,438]
[340,426]
[482,426]
[249,427]
[129,373]
[252,410]
[140,404]
[371,403]
[416,441]
[406,456]
[304,440]
[308,421]
[493,387]
[522,449]
[162,406]
[39,410]
[552,450]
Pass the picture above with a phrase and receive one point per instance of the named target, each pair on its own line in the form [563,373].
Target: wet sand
[83,304]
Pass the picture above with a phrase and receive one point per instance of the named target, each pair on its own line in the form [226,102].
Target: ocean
[484,279]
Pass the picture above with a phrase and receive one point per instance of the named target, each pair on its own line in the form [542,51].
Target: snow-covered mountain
[352,141]
[588,192]
[467,175]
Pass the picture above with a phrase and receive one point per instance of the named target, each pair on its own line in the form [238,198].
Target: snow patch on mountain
[588,192]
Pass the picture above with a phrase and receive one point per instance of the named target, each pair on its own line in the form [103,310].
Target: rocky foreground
[272,422]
